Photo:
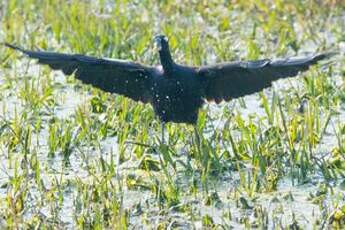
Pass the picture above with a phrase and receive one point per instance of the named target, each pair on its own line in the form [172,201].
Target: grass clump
[75,157]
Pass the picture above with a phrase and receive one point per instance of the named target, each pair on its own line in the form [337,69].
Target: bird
[175,91]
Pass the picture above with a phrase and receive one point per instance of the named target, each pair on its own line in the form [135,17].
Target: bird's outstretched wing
[236,79]
[126,78]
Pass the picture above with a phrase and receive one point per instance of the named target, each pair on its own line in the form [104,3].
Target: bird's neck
[166,61]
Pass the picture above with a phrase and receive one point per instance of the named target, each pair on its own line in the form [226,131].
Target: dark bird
[175,91]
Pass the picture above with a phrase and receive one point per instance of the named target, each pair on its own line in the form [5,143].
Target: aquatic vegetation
[75,157]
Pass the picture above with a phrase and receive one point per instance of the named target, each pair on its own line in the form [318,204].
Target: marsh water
[292,203]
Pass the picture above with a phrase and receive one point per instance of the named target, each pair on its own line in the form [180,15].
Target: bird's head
[161,42]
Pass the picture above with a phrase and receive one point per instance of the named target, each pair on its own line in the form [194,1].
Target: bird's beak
[158,44]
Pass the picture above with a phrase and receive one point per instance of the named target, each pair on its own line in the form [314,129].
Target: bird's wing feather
[115,76]
[236,79]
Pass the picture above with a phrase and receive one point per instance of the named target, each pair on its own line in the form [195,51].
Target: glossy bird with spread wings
[175,91]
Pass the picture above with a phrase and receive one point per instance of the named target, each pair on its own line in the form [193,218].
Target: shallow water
[290,201]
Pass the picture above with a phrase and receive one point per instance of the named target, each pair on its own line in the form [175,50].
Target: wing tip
[13,47]
[325,55]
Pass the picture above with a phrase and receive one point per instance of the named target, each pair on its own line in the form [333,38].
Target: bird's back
[177,98]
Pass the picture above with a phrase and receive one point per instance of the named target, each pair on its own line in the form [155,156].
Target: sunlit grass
[272,160]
